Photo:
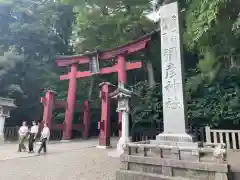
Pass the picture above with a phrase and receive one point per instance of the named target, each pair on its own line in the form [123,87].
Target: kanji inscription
[172,76]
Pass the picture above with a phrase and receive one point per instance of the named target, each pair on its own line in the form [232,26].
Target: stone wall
[149,162]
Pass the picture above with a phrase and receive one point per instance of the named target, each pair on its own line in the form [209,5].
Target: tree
[211,40]
[33,32]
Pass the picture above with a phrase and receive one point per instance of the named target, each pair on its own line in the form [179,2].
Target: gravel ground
[66,161]
[70,161]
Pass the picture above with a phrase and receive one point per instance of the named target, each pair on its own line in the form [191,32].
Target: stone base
[115,154]
[104,141]
[103,147]
[2,140]
[65,140]
[122,143]
[151,162]
[120,147]
[175,140]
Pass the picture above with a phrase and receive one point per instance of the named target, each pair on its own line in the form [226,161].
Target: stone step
[131,175]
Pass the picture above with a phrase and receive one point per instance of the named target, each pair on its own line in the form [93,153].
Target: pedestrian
[32,136]
[23,133]
[45,134]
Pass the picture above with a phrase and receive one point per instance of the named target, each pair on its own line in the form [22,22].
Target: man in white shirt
[23,132]
[45,135]
[32,136]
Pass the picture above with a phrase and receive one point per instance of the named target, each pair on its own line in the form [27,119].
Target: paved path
[234,161]
[70,161]
[66,161]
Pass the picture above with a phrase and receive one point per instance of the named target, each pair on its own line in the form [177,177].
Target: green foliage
[98,23]
[148,108]
[31,35]
[216,103]
[34,31]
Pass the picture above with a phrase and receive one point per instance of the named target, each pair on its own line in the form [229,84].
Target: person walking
[32,136]
[23,132]
[45,134]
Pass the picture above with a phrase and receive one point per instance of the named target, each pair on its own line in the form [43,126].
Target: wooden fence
[230,137]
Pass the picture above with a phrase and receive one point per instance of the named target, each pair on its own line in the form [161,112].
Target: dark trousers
[21,145]
[31,141]
[43,145]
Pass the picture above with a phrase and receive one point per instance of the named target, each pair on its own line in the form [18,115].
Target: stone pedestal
[6,105]
[123,96]
[175,140]
[124,139]
[153,162]
[125,132]
[2,122]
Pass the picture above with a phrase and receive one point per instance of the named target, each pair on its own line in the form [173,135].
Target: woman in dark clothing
[32,136]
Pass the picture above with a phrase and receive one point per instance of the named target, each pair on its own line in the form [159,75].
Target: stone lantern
[6,105]
[123,95]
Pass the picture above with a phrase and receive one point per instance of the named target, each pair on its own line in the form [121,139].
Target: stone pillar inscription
[174,112]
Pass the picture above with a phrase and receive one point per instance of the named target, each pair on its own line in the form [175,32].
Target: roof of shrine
[7,102]
[106,54]
[121,91]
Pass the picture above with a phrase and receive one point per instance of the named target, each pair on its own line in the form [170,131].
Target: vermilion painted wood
[105,55]
[104,123]
[106,70]
[122,77]
[48,102]
[74,126]
[121,68]
[71,100]
[86,119]
[63,104]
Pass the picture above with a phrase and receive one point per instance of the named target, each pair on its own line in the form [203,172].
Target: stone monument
[173,155]
[174,106]
[123,95]
[6,105]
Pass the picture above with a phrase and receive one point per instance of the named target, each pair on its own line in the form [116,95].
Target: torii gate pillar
[71,101]
[122,77]
[93,60]
[104,124]
[48,102]
[86,119]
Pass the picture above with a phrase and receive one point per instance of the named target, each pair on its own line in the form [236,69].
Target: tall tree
[30,38]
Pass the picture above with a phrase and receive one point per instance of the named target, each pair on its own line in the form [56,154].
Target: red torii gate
[121,68]
[49,102]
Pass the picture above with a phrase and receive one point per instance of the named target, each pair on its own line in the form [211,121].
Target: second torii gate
[93,60]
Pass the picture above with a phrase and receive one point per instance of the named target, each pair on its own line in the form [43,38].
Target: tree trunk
[92,82]
[232,62]
[151,79]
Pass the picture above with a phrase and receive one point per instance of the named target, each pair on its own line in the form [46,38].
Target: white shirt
[34,129]
[45,133]
[23,131]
